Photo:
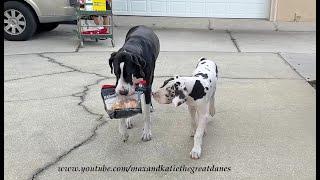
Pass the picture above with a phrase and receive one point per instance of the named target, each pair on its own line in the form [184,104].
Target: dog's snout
[123,92]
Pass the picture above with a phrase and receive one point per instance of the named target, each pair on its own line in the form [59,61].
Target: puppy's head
[172,91]
[129,69]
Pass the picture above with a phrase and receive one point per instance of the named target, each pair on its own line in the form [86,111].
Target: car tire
[47,27]
[20,23]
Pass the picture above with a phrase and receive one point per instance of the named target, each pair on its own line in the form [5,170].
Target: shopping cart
[85,30]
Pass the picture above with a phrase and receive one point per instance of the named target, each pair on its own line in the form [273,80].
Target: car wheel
[47,26]
[19,21]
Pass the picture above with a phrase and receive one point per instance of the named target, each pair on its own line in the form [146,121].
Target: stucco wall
[286,10]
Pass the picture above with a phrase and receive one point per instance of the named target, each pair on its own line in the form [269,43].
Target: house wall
[294,10]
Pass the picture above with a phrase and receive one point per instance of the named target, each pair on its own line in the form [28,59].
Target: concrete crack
[39,99]
[234,41]
[60,157]
[27,77]
[82,95]
[52,60]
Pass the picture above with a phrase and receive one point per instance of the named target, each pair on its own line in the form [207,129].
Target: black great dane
[134,61]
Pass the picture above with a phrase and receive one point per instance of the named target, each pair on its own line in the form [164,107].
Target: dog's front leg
[146,134]
[202,123]
[192,111]
[123,130]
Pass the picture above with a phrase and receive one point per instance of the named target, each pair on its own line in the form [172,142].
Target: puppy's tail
[201,59]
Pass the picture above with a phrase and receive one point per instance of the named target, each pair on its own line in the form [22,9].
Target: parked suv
[22,18]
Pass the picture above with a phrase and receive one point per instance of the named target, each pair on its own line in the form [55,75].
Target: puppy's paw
[195,153]
[129,123]
[146,135]
[125,137]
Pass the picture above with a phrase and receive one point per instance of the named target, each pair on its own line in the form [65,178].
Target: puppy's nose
[123,92]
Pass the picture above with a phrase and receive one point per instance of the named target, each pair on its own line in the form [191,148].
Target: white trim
[273,10]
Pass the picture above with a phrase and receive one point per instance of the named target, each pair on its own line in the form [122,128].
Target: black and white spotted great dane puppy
[197,91]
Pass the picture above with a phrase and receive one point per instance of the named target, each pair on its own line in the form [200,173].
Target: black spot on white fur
[203,63]
[202,59]
[216,71]
[205,76]
[197,91]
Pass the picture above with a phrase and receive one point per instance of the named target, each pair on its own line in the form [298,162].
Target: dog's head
[129,69]
[172,91]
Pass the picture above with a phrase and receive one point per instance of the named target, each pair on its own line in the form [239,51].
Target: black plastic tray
[108,91]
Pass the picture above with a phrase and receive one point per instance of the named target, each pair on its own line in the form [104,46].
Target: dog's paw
[195,153]
[129,123]
[125,137]
[146,135]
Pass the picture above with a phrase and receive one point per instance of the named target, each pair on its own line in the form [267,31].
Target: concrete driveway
[264,127]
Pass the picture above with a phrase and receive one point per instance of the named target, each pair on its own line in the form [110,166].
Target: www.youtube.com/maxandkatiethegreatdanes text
[130,168]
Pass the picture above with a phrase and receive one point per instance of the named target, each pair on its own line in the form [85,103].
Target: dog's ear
[111,59]
[166,82]
[140,62]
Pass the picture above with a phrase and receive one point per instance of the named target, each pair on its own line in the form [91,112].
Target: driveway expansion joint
[234,41]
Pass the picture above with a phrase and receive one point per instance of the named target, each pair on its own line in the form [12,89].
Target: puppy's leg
[129,123]
[212,107]
[146,134]
[203,113]
[192,111]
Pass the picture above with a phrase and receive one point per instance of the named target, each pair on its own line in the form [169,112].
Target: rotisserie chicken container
[118,106]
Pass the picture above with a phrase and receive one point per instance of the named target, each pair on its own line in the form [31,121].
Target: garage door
[194,8]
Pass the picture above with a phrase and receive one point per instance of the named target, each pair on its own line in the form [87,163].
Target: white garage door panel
[120,6]
[194,8]
[197,8]
[216,9]
[157,8]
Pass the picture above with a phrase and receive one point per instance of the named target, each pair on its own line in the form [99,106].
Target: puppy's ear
[111,59]
[140,62]
[166,82]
